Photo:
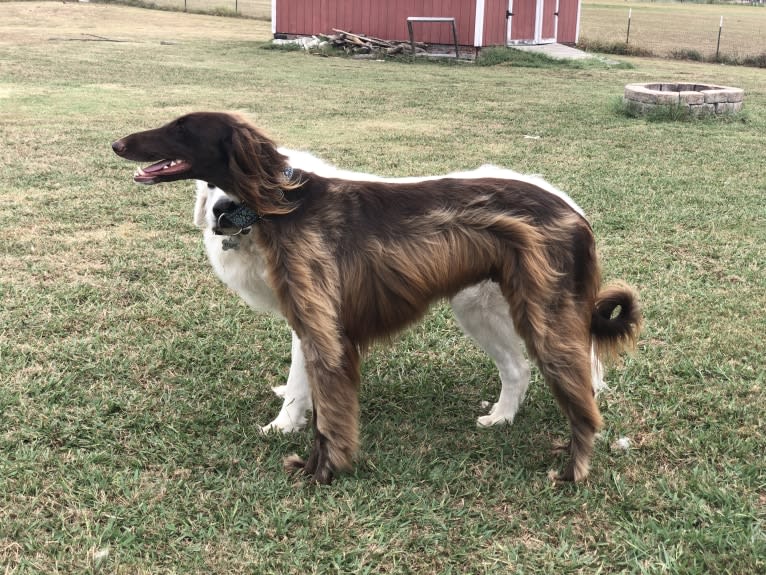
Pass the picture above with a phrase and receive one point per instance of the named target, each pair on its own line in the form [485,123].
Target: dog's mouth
[162,171]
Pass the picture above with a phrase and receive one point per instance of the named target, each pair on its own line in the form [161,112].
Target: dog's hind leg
[296,393]
[483,313]
[565,361]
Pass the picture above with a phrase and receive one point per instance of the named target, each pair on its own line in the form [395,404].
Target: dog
[352,262]
[480,310]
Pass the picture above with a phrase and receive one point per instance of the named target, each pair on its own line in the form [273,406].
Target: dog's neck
[244,218]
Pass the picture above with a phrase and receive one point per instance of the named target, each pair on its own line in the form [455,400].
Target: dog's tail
[616,320]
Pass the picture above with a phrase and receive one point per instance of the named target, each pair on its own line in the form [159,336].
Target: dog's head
[219,148]
[210,209]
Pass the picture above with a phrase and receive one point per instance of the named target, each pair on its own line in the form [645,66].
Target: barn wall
[523,21]
[376,18]
[568,20]
[389,19]
[549,19]
[495,22]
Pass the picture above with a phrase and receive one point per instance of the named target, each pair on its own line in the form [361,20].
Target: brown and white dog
[480,310]
[354,261]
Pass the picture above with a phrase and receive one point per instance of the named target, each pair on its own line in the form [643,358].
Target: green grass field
[132,383]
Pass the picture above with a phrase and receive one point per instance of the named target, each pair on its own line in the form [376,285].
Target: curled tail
[616,320]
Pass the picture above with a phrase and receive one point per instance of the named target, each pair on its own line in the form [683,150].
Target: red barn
[479,23]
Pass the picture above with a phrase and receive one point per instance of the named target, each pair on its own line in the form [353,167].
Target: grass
[495,56]
[259,9]
[664,27]
[133,383]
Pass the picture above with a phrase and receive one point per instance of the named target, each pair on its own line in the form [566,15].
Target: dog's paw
[294,463]
[491,420]
[574,472]
[496,416]
[285,424]
[576,469]
[317,467]
[323,474]
[291,418]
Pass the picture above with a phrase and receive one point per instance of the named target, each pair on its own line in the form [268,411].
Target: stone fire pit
[700,99]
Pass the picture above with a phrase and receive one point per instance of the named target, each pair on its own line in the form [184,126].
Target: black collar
[240,218]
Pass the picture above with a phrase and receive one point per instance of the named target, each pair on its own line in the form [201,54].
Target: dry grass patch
[26,23]
[667,27]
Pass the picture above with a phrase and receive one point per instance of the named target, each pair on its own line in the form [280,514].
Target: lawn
[132,383]
[667,27]
[260,9]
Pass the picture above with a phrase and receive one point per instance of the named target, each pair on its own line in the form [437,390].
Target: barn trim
[478,32]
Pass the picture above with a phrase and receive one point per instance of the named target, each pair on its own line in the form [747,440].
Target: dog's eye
[181,124]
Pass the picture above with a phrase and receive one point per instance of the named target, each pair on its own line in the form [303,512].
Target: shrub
[687,54]
[613,47]
[758,61]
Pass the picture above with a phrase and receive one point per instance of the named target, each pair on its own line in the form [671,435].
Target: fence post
[627,36]
[718,44]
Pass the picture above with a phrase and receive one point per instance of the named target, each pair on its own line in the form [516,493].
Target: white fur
[244,271]
[480,310]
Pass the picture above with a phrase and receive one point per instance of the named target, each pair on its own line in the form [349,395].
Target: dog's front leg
[335,390]
[296,393]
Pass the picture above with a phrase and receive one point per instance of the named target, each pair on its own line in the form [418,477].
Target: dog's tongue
[164,167]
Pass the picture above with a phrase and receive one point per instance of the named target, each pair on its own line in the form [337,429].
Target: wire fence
[698,32]
[260,9]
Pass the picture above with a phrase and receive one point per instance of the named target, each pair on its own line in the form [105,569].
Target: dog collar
[241,218]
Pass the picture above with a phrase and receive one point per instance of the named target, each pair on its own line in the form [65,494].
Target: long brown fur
[352,262]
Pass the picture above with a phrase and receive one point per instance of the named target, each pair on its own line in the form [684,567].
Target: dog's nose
[119,147]
[223,206]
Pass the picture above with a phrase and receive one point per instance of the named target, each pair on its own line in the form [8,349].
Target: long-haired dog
[355,261]
[480,310]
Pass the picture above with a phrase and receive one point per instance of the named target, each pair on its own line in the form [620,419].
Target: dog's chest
[243,270]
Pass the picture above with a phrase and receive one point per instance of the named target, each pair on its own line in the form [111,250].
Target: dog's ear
[258,171]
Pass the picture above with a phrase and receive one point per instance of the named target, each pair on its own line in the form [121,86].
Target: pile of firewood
[361,44]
